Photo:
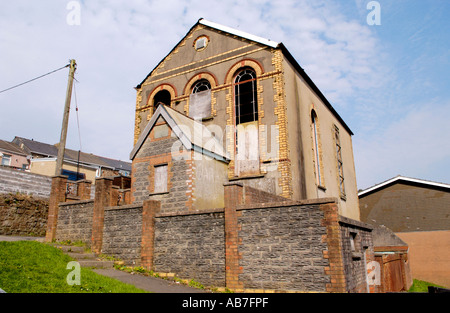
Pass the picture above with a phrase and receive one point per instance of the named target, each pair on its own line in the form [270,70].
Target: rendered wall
[13,181]
[429,255]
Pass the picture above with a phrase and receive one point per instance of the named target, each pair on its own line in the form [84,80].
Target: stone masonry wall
[122,233]
[282,248]
[154,153]
[75,221]
[356,257]
[22,214]
[15,181]
[192,246]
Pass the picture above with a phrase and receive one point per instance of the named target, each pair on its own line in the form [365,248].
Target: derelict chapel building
[252,101]
[242,175]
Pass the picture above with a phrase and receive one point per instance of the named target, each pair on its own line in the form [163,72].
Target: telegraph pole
[62,141]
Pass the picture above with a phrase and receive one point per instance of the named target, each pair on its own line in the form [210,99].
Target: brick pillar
[334,252]
[114,196]
[149,210]
[234,196]
[103,187]
[57,195]
[84,189]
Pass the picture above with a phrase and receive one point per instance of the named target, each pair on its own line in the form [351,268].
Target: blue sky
[389,82]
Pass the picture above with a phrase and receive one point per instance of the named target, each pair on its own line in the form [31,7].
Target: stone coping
[76,202]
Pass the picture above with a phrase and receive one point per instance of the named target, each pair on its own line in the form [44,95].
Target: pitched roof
[239,33]
[48,150]
[35,147]
[266,42]
[6,146]
[400,178]
[193,135]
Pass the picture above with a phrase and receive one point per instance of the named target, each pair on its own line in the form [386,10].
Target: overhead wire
[29,81]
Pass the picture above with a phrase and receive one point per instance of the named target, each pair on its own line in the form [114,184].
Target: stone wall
[299,246]
[356,255]
[155,153]
[282,248]
[122,233]
[16,181]
[192,246]
[22,214]
[75,221]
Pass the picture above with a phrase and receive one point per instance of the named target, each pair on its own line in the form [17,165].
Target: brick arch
[169,87]
[203,75]
[255,65]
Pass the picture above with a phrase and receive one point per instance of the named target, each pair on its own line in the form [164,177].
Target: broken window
[340,164]
[315,137]
[200,100]
[161,97]
[246,106]
[160,178]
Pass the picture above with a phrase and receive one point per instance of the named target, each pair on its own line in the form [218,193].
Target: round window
[201,42]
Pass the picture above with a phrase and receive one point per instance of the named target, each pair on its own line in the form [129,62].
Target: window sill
[208,118]
[247,177]
[158,193]
[356,255]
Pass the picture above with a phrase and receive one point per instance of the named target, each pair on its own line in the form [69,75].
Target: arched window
[315,137]
[201,85]
[246,105]
[246,114]
[200,100]
[161,97]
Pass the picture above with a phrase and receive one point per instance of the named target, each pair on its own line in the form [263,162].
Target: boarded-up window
[247,149]
[161,178]
[200,100]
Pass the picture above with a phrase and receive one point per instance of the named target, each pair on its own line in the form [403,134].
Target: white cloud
[416,145]
[119,42]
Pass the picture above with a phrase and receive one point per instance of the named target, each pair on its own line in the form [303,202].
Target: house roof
[193,135]
[6,146]
[47,150]
[399,179]
[266,42]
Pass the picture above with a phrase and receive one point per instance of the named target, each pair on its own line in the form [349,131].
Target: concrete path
[147,283]
[21,238]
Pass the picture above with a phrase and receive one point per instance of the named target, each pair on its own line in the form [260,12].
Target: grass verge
[421,286]
[33,267]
